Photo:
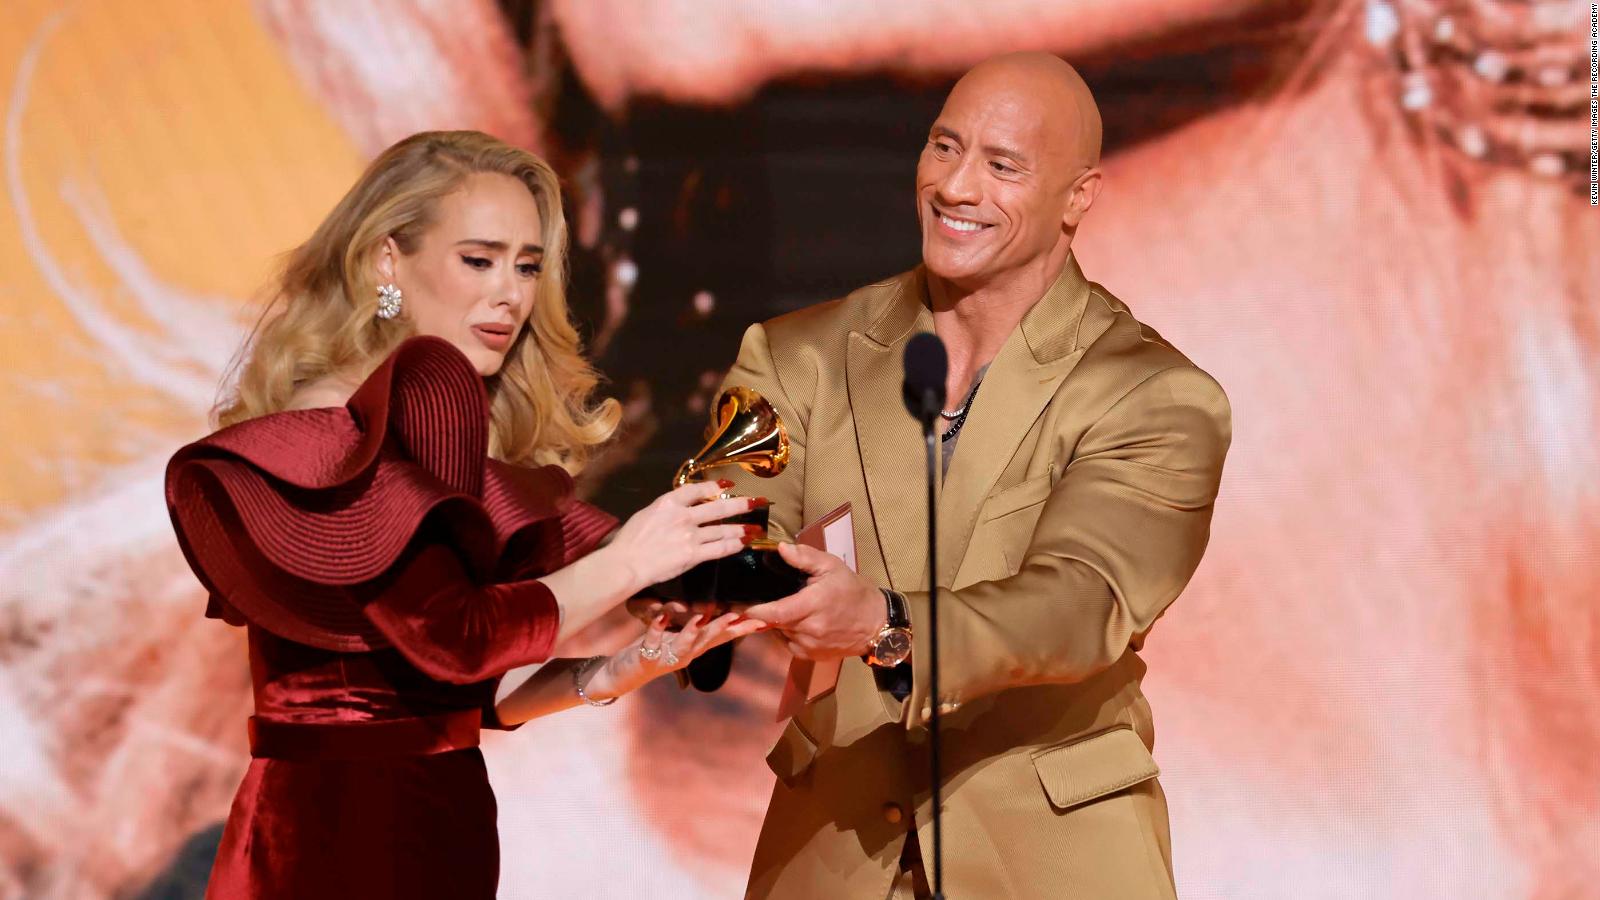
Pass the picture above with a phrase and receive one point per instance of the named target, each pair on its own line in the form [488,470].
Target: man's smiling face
[995,180]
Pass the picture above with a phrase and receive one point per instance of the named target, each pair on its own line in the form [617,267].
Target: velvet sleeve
[453,629]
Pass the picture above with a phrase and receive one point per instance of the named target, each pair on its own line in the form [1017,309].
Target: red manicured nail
[759,502]
[724,483]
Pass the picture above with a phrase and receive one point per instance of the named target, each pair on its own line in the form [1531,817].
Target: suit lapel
[888,439]
[1018,386]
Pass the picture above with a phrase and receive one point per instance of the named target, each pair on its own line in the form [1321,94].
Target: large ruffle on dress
[384,567]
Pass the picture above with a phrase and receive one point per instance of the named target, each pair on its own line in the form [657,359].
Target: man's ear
[1085,188]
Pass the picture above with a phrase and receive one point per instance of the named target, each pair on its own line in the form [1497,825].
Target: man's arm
[755,369]
[1118,538]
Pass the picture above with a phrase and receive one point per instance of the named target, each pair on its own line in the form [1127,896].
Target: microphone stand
[926,366]
[930,436]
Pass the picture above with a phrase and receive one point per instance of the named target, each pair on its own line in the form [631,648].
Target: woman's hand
[680,530]
[658,652]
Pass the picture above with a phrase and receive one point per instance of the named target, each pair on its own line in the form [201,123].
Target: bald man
[1081,458]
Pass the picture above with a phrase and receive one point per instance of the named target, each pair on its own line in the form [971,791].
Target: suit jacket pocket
[1086,768]
[791,756]
[1005,527]
[1019,496]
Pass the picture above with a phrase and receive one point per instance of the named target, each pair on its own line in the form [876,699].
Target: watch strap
[899,609]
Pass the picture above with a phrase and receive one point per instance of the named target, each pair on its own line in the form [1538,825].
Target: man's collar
[1050,327]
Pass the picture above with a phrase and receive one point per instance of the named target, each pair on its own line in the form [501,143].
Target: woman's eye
[477,262]
[529,270]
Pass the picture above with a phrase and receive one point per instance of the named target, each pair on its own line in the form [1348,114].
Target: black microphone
[926,367]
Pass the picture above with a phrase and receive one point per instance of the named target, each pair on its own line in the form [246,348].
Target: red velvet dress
[384,567]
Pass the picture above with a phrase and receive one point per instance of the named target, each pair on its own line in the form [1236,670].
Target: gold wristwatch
[892,645]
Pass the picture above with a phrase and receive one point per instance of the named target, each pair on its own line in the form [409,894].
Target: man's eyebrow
[1007,151]
[528,249]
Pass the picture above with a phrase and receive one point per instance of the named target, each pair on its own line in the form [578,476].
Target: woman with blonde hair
[388,510]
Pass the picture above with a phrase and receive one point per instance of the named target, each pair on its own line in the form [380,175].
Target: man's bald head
[1052,86]
[1008,172]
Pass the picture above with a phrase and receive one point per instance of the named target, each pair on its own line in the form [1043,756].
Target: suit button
[893,814]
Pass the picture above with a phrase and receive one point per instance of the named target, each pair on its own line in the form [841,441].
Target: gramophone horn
[746,432]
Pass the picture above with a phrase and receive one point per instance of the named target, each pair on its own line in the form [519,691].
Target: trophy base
[756,574]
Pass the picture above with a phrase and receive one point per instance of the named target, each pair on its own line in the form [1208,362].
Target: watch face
[893,647]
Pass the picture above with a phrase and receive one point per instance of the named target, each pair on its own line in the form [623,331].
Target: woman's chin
[486,361]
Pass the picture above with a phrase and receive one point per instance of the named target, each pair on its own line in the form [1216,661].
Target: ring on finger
[667,655]
[649,653]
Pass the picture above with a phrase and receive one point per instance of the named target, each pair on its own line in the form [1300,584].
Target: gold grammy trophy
[745,431]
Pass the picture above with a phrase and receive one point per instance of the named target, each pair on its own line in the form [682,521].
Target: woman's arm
[460,631]
[535,691]
[552,688]
[662,540]
[591,586]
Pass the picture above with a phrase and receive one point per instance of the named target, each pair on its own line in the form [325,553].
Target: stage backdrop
[1367,220]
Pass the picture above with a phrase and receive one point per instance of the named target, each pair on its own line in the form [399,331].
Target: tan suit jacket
[1075,509]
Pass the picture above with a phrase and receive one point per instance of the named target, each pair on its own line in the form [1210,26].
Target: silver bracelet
[580,676]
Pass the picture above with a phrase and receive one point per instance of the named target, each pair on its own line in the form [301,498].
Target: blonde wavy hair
[321,317]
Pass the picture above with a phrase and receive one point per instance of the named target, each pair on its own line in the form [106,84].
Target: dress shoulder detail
[279,514]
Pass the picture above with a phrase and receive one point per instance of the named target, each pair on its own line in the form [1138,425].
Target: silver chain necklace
[959,417]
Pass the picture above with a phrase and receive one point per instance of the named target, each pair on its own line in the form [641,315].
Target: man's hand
[837,613]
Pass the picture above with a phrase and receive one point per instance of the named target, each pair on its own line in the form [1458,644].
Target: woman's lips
[495,337]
